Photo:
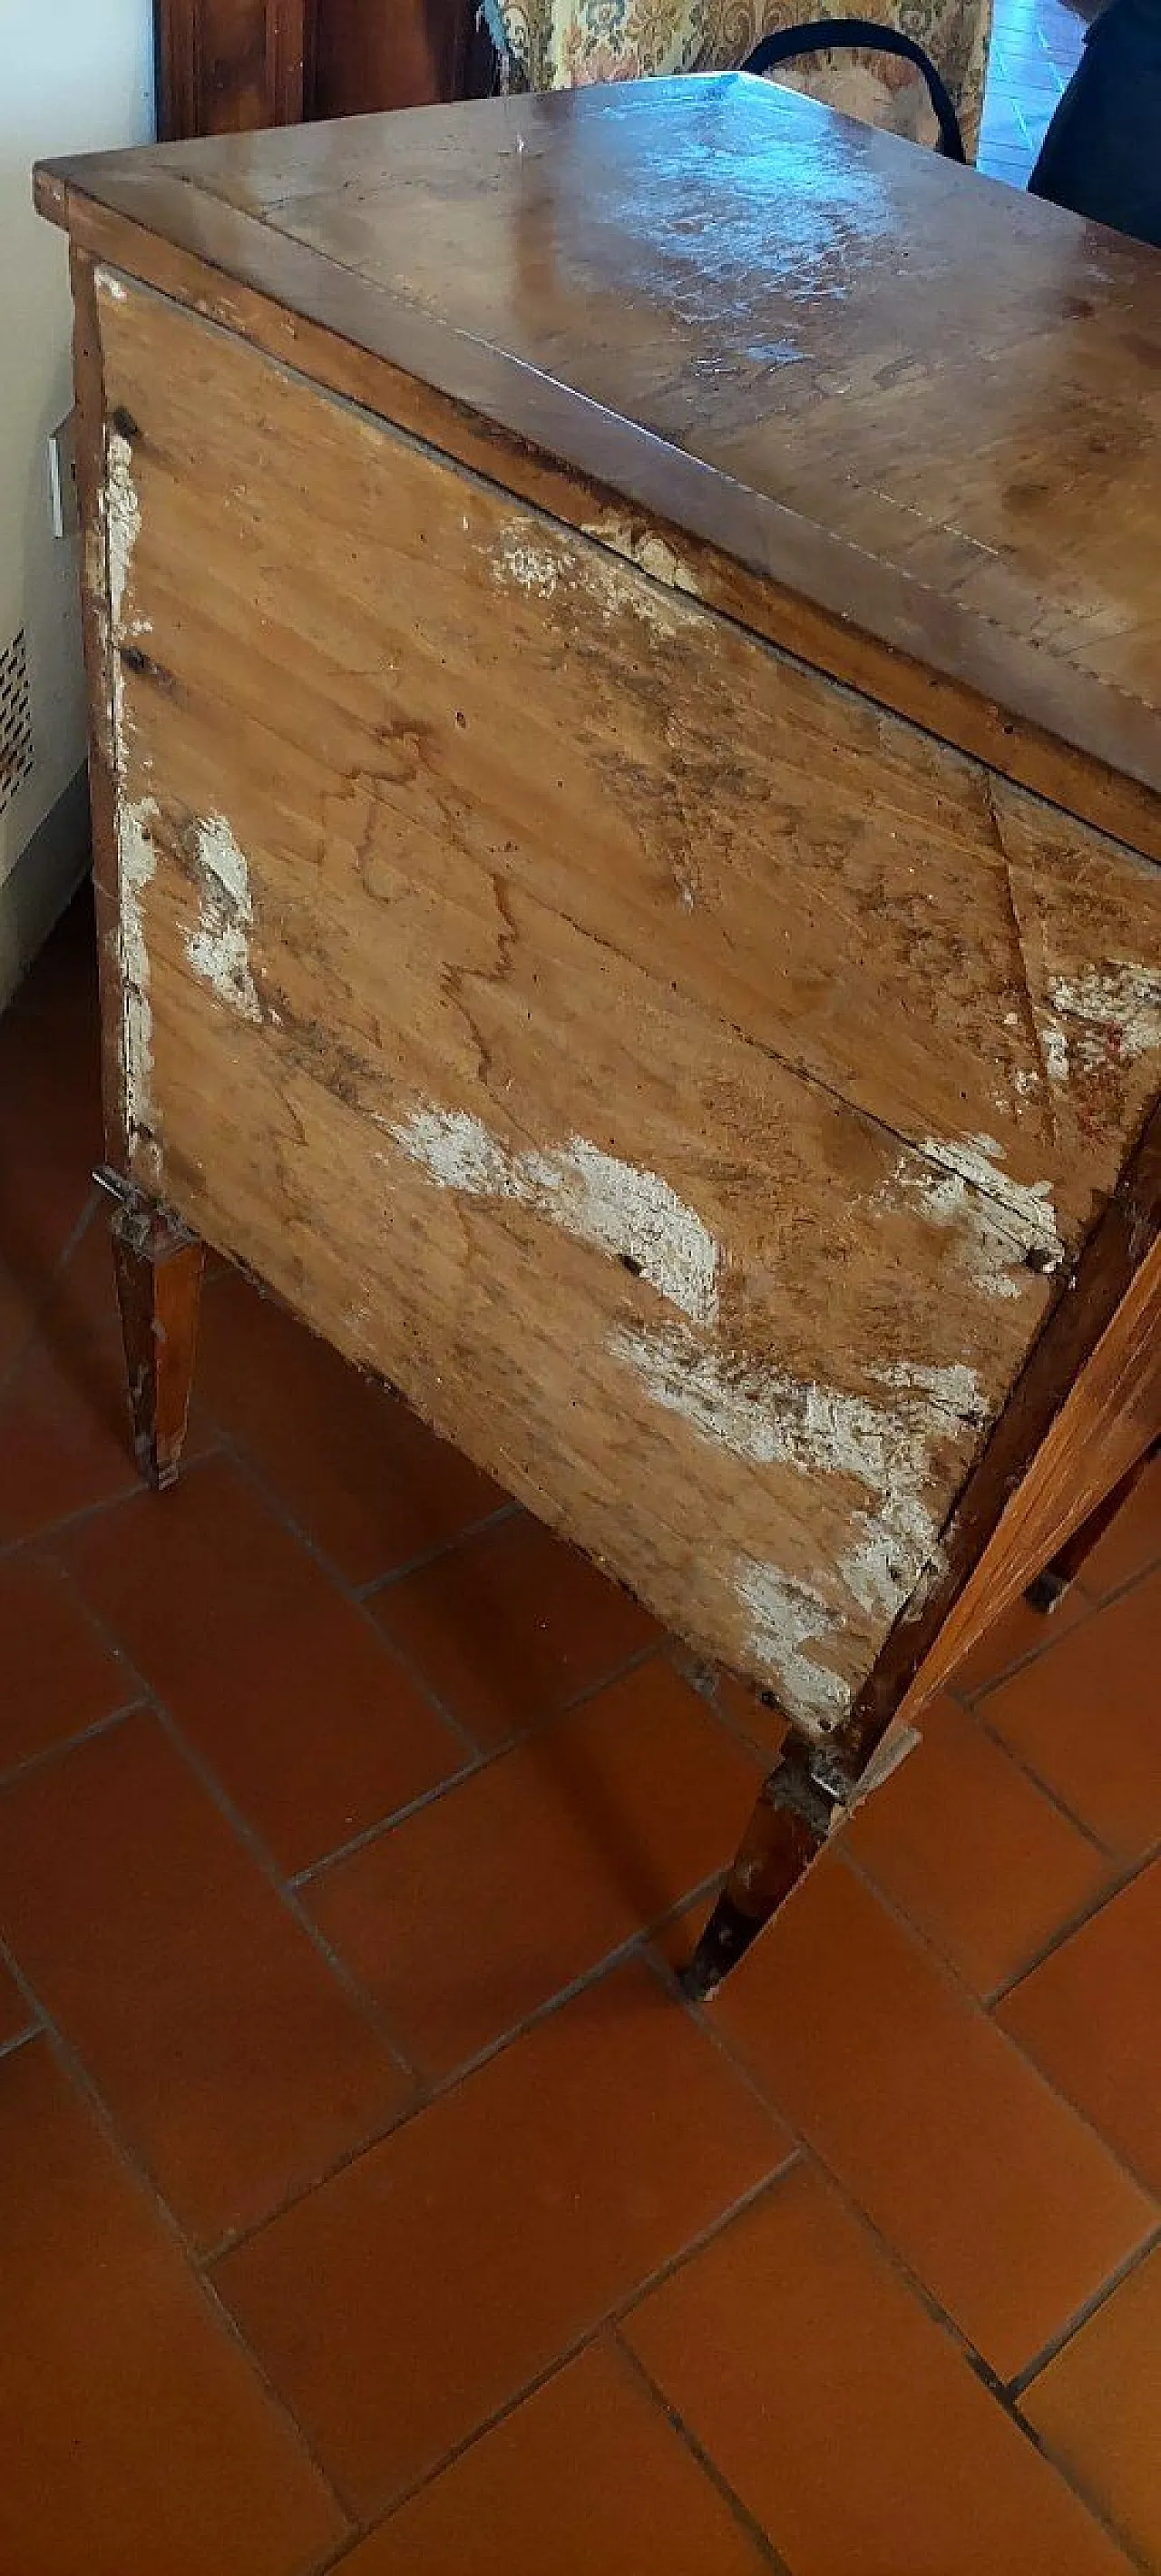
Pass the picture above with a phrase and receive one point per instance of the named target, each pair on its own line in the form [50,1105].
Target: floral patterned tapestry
[558,44]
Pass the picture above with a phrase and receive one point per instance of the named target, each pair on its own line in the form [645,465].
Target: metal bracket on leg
[151,1231]
[1047,1593]
[789,1825]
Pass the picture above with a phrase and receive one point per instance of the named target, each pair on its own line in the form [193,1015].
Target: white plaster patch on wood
[96,591]
[634,1215]
[533,559]
[520,563]
[120,512]
[136,862]
[107,284]
[641,546]
[950,1387]
[624,594]
[887,1448]
[594,1197]
[219,949]
[119,526]
[1055,1045]
[997,1220]
[122,520]
[456,1150]
[1108,1017]
[933,1573]
[224,865]
[785,1617]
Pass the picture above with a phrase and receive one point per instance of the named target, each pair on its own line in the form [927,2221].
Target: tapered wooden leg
[159,1276]
[1050,1587]
[788,1827]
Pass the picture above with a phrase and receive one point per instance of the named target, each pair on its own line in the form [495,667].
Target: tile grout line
[608,2322]
[288,1883]
[996,2388]
[440,2088]
[1074,2486]
[20,2039]
[251,1841]
[52,1753]
[149,1702]
[360,1594]
[358,1597]
[369,1835]
[1095,1603]
[947,1969]
[1047,1792]
[479,1757]
[747,2522]
[142,2180]
[485,1756]
[47,1535]
[511,1510]
[1051,1634]
[1075,1923]
[1022,2380]
[705,2019]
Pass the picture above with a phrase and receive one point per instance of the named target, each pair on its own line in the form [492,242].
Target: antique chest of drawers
[623,639]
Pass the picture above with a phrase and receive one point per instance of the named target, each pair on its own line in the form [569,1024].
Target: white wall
[75,76]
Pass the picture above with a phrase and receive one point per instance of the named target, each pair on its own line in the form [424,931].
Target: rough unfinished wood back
[684,1080]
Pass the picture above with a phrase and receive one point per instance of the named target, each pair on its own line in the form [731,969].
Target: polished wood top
[927,403]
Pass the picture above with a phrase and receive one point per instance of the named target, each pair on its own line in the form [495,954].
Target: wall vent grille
[16,752]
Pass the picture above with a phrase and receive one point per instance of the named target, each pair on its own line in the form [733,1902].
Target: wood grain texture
[159,1279]
[416,53]
[617,1006]
[937,424]
[229,66]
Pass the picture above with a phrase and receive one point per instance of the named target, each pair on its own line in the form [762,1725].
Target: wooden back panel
[229,66]
[684,1080]
[414,53]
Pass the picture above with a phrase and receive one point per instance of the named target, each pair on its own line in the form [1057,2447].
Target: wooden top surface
[927,404]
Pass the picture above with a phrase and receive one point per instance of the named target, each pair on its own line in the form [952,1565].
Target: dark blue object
[1102,152]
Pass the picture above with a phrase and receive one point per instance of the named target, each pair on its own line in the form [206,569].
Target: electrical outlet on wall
[63,504]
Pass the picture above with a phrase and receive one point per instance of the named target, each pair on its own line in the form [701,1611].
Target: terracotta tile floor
[368,2196]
